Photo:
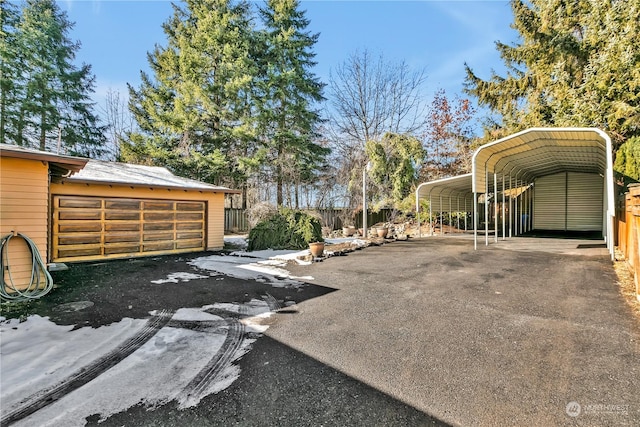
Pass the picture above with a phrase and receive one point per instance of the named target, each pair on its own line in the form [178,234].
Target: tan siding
[215,237]
[23,209]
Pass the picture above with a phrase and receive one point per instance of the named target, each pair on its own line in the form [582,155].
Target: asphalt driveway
[525,332]
[423,332]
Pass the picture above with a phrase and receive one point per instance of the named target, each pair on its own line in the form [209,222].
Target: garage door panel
[75,239]
[189,226]
[158,246]
[86,228]
[159,216]
[122,204]
[76,227]
[158,206]
[78,214]
[187,244]
[159,226]
[81,203]
[121,226]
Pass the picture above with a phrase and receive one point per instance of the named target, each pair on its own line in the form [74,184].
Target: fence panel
[629,232]
[235,221]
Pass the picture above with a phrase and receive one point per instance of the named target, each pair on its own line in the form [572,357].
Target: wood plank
[121,215]
[189,206]
[159,216]
[157,236]
[72,253]
[189,216]
[78,215]
[158,226]
[158,246]
[84,202]
[79,227]
[78,239]
[121,226]
[121,237]
[185,235]
[122,204]
[120,249]
[186,244]
[153,205]
[189,226]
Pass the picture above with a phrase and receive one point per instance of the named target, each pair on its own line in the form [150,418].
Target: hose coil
[37,288]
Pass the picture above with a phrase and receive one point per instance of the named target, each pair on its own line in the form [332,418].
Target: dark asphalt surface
[422,332]
[510,334]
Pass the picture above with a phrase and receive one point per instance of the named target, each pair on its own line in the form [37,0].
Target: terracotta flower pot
[382,231]
[316,249]
[348,231]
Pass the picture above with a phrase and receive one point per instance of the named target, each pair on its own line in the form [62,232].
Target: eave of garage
[59,166]
[520,158]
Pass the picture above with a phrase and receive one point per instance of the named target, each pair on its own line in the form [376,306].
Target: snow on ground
[38,354]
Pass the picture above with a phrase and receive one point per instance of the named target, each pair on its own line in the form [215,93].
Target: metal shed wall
[568,201]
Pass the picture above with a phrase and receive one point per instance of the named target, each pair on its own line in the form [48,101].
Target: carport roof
[542,151]
[454,186]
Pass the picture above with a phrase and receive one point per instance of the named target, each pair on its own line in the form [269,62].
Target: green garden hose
[36,288]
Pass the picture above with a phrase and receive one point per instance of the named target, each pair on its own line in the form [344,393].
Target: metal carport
[512,165]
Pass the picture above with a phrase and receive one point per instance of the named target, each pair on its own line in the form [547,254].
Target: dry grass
[627,284]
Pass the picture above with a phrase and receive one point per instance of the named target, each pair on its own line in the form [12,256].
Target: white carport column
[486,207]
[475,220]
[503,210]
[510,207]
[430,214]
[441,227]
[418,210]
[495,207]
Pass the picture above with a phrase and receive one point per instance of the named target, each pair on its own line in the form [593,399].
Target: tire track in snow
[272,302]
[87,373]
[196,388]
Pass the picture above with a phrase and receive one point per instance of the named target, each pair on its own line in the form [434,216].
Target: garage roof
[113,173]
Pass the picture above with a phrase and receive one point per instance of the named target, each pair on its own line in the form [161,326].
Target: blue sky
[436,35]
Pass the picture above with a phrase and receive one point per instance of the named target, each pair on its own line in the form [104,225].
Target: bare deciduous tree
[370,96]
[119,121]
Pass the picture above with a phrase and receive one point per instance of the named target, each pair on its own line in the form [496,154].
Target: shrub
[285,229]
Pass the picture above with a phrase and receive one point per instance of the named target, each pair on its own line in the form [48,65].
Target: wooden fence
[629,232]
[235,220]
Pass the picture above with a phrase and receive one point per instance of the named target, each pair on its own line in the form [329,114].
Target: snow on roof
[97,171]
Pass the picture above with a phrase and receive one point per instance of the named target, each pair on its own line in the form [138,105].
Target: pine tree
[576,64]
[289,92]
[50,97]
[195,112]
[9,70]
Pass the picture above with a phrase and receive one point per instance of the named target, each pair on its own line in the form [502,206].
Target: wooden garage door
[89,228]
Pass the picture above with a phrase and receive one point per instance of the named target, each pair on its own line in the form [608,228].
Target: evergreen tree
[289,92]
[576,64]
[9,70]
[48,97]
[195,113]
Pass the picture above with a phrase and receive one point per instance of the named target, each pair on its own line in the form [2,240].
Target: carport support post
[495,206]
[486,208]
[418,210]
[510,207]
[503,210]
[430,214]
[441,227]
[475,220]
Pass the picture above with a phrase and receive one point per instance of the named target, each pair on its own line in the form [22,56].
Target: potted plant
[348,230]
[316,248]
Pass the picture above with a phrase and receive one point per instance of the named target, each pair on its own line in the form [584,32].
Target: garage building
[76,209]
